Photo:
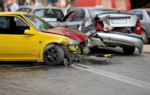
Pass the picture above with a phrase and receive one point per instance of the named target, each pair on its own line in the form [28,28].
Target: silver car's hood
[114,19]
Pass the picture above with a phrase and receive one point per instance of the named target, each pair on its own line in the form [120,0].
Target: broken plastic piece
[105,55]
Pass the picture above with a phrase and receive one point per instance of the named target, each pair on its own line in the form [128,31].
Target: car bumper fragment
[77,51]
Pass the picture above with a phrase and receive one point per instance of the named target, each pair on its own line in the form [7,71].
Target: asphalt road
[120,75]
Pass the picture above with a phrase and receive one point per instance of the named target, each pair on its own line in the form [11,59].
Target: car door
[20,9]
[14,44]
[65,20]
[27,10]
[76,20]
[139,14]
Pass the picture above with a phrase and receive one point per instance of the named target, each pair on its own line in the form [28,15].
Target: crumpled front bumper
[119,39]
[78,50]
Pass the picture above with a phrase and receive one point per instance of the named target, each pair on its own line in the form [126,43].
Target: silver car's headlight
[73,42]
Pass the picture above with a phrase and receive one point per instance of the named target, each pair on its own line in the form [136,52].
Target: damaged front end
[77,45]
[78,50]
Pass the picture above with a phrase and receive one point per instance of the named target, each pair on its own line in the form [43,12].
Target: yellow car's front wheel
[53,55]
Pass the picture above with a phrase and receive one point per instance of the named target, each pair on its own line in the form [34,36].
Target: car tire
[145,40]
[53,55]
[128,50]
[94,49]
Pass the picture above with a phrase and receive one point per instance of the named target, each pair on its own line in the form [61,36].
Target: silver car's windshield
[148,12]
[49,13]
[93,12]
[38,23]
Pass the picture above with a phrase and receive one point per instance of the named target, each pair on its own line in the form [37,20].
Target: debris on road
[105,55]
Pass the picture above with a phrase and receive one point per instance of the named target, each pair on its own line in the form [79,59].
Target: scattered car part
[105,55]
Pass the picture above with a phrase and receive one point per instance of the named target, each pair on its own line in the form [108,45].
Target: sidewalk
[146,48]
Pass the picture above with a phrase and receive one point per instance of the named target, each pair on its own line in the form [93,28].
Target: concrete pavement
[146,48]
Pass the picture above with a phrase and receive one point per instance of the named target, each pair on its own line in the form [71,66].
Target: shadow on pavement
[109,50]
[28,65]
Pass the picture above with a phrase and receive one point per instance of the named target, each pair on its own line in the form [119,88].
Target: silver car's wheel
[53,55]
[145,40]
[128,50]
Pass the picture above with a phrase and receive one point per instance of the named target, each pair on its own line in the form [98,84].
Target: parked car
[75,17]
[26,37]
[144,16]
[49,14]
[117,28]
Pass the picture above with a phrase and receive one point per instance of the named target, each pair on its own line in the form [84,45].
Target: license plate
[119,21]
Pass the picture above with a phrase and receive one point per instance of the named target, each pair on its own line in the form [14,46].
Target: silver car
[49,14]
[116,28]
[144,16]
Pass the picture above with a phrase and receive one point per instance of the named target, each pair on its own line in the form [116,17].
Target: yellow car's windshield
[38,23]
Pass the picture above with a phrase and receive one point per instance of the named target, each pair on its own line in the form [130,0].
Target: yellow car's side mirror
[28,32]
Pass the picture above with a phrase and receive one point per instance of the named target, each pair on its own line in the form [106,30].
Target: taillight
[138,28]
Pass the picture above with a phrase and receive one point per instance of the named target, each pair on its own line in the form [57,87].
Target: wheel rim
[51,55]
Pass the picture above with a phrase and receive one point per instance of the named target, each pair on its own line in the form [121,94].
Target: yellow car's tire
[53,55]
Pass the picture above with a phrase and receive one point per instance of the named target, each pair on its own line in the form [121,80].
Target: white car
[49,14]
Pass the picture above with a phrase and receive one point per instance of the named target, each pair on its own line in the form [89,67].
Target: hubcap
[51,55]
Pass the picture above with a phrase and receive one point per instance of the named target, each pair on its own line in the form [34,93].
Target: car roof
[14,13]
[39,7]
[99,8]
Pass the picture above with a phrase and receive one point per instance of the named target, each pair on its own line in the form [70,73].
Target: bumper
[78,50]
[119,39]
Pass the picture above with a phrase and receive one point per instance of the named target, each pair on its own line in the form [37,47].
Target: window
[79,15]
[148,12]
[27,10]
[21,9]
[40,13]
[49,13]
[132,12]
[70,16]
[12,25]
[54,13]
[38,23]
[139,14]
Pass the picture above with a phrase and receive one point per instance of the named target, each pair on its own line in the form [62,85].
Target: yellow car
[26,37]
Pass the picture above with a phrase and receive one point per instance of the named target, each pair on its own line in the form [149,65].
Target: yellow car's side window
[12,25]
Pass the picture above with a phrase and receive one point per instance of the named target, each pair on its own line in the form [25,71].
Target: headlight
[73,42]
